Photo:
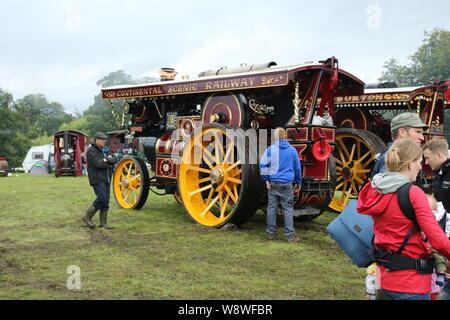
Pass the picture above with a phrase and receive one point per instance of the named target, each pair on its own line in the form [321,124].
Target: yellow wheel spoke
[229,150]
[236,194]
[220,198]
[209,206]
[210,196]
[236,172]
[209,154]
[207,179]
[208,163]
[195,168]
[363,157]
[129,170]
[352,153]
[209,186]
[135,177]
[347,196]
[234,165]
[231,194]
[338,161]
[355,190]
[362,170]
[224,207]
[359,180]
[344,189]
[343,148]
[218,145]
[234,180]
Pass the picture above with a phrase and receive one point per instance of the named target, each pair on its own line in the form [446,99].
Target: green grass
[157,252]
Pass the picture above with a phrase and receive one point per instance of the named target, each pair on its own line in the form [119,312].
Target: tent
[40,167]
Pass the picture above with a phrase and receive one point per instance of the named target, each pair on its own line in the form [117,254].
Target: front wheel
[131,183]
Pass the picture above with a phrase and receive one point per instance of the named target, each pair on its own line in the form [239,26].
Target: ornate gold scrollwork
[254,124]
[258,107]
[296,101]
[114,112]
[436,122]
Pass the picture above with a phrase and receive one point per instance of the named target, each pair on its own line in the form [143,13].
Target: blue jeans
[445,290]
[280,194]
[405,296]
[102,192]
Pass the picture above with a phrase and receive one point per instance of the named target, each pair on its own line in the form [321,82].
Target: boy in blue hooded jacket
[280,167]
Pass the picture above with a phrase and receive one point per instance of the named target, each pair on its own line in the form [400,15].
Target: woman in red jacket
[379,200]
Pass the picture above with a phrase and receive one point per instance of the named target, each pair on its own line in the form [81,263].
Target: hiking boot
[103,219]
[271,237]
[87,218]
[293,239]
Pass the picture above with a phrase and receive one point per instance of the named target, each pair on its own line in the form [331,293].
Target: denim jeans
[280,194]
[445,290]
[405,296]
[102,192]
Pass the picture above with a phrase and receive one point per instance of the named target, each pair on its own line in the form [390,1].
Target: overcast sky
[61,48]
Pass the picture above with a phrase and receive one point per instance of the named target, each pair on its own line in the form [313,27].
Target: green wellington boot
[87,218]
[103,219]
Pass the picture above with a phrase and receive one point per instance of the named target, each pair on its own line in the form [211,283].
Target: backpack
[354,234]
[395,260]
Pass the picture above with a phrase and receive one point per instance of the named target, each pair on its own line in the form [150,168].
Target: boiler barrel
[244,68]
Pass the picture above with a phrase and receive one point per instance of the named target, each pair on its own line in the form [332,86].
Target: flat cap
[100,135]
[407,119]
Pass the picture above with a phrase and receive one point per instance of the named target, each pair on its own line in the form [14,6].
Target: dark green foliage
[34,119]
[99,116]
[15,131]
[430,61]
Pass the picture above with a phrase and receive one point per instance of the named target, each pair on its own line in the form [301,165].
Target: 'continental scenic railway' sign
[196,86]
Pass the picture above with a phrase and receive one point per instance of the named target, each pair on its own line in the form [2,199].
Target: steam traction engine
[202,137]
[363,123]
[68,148]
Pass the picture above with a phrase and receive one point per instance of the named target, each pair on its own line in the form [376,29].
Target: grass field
[157,252]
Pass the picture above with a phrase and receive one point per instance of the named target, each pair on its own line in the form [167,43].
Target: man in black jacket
[99,166]
[436,155]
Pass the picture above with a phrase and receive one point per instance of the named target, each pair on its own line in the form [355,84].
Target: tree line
[32,120]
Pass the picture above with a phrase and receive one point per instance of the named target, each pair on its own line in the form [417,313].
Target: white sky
[61,48]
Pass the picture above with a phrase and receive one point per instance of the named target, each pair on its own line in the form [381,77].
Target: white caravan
[35,154]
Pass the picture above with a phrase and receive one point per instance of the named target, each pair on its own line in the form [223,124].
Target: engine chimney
[167,74]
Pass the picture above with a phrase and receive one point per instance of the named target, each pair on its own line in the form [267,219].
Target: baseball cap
[100,135]
[407,119]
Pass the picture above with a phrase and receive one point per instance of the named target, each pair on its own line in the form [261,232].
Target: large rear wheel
[354,155]
[131,183]
[217,180]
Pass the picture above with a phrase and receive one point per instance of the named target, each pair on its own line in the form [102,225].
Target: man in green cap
[99,167]
[405,125]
